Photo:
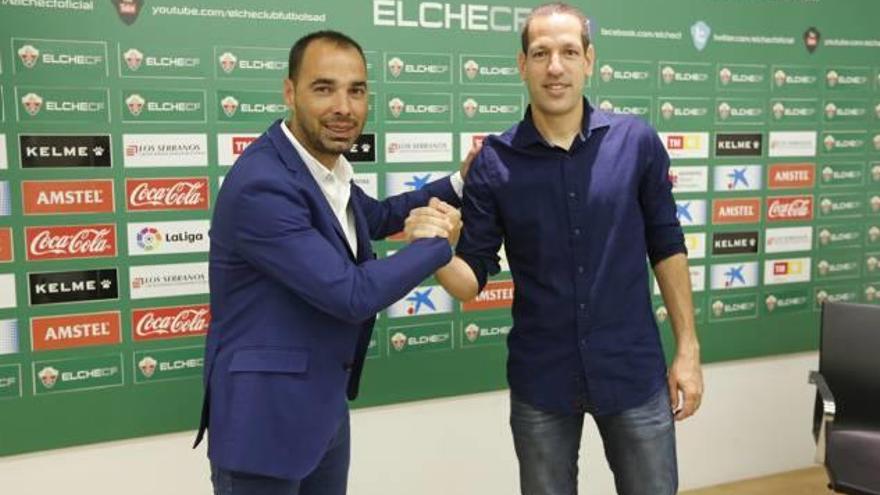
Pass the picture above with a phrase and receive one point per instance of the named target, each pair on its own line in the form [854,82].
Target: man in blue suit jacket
[295,286]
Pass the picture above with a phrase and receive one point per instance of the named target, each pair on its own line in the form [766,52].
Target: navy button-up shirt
[577,225]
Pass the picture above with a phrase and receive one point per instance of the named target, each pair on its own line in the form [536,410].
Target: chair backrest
[849,359]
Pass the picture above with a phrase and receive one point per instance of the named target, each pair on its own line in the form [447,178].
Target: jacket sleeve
[273,232]
[386,217]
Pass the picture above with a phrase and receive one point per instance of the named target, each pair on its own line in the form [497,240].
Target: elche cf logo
[32,103]
[398,341]
[395,65]
[606,73]
[147,365]
[230,105]
[472,332]
[470,107]
[29,56]
[135,104]
[227,62]
[471,69]
[48,376]
[133,58]
[396,106]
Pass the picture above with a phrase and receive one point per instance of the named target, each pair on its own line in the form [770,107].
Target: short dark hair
[298,50]
[556,8]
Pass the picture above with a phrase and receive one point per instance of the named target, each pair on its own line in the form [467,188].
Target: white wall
[755,420]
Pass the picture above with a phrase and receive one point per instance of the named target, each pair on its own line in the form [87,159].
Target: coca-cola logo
[788,208]
[165,323]
[65,242]
[167,194]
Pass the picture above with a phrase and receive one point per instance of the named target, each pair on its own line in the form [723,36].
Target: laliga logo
[135,104]
[396,107]
[395,65]
[133,58]
[471,69]
[230,105]
[28,55]
[830,111]
[470,107]
[606,73]
[147,366]
[725,76]
[472,332]
[149,239]
[48,376]
[32,103]
[398,341]
[227,62]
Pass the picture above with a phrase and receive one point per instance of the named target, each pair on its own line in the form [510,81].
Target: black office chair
[846,420]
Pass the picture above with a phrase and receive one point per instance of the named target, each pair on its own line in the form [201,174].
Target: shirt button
[572,194]
[577,231]
[582,306]
[580,268]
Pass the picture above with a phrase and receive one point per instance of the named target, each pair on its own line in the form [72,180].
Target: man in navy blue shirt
[580,199]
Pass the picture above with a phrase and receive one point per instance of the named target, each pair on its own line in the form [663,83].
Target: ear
[289,93]
[590,56]
[521,63]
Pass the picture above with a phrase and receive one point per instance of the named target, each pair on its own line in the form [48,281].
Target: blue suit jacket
[292,309]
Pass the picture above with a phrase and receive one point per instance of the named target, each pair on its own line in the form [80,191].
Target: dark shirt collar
[527,134]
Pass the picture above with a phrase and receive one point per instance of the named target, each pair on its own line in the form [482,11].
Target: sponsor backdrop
[119,119]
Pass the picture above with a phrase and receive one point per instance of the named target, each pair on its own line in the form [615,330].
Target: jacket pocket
[270,361]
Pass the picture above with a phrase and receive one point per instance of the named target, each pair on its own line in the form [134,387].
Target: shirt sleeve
[663,232]
[482,234]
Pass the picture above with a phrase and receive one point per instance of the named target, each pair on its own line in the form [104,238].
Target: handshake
[438,219]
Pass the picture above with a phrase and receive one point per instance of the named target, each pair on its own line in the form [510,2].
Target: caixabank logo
[237,62]
[484,108]
[796,79]
[66,60]
[401,182]
[420,338]
[422,301]
[418,108]
[168,364]
[73,286]
[163,106]
[691,212]
[77,374]
[250,106]
[488,70]
[161,62]
[65,150]
[62,105]
[408,67]
[729,276]
[732,178]
[691,76]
